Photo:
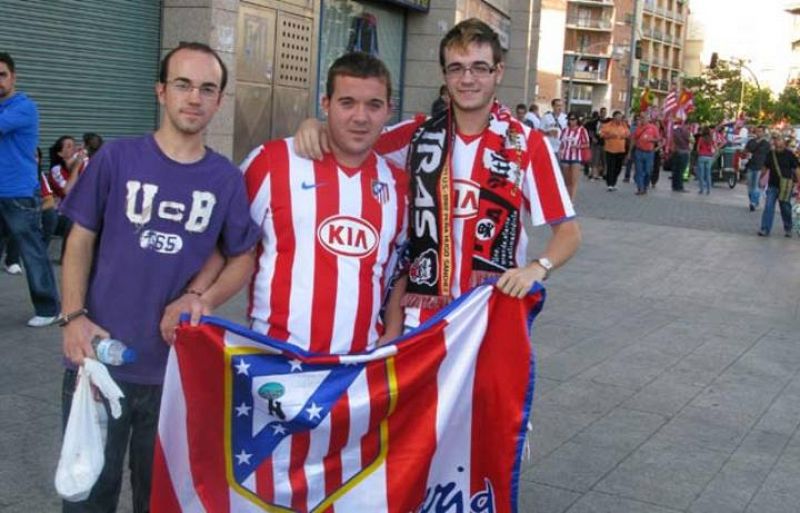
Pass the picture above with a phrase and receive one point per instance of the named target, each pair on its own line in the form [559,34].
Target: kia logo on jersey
[466,197]
[347,236]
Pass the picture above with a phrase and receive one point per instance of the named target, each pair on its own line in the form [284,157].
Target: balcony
[594,76]
[589,23]
[597,50]
[599,3]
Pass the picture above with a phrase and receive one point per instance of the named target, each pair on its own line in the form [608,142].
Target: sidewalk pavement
[668,367]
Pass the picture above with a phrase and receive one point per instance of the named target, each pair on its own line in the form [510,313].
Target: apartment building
[663,38]
[593,40]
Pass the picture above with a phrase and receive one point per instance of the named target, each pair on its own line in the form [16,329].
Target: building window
[353,25]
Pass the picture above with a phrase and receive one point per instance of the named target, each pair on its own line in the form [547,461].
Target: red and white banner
[435,421]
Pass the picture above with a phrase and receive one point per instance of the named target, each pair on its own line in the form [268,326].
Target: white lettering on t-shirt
[202,205]
[140,212]
[143,216]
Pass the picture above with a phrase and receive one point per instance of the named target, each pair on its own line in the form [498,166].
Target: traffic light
[714,58]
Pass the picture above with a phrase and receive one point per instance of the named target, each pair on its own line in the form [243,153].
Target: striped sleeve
[395,140]
[256,170]
[546,196]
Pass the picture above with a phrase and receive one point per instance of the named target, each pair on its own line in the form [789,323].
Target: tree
[719,91]
[788,106]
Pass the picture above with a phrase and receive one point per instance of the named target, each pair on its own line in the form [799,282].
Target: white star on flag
[313,411]
[297,365]
[278,429]
[241,367]
[243,457]
[243,409]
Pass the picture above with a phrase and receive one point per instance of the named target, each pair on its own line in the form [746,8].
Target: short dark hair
[470,31]
[358,65]
[553,101]
[522,106]
[6,57]
[197,47]
[92,142]
[533,107]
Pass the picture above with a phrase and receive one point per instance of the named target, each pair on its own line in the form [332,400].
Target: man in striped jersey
[331,227]
[476,173]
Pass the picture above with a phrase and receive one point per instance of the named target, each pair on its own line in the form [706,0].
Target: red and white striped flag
[435,421]
[670,105]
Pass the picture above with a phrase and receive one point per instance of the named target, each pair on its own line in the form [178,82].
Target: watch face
[546,263]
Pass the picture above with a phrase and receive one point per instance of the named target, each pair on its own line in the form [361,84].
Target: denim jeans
[704,172]
[769,211]
[644,165]
[139,423]
[23,219]
[679,162]
[752,186]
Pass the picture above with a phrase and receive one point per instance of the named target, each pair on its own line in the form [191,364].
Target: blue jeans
[704,172]
[23,219]
[644,166]
[752,186]
[679,162]
[137,427]
[769,211]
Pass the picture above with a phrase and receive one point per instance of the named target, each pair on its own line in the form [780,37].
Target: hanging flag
[646,100]
[670,104]
[435,421]
[685,103]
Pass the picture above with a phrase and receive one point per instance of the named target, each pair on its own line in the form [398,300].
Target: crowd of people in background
[642,144]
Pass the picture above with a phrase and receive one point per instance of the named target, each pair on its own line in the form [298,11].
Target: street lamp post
[741,86]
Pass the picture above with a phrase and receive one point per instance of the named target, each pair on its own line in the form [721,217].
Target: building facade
[662,35]
[598,66]
[95,62]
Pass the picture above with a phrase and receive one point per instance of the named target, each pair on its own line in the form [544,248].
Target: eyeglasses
[181,86]
[478,69]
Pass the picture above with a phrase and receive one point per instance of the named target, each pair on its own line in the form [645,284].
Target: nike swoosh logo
[307,186]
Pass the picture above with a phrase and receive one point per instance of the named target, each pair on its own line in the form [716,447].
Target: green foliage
[719,92]
[788,105]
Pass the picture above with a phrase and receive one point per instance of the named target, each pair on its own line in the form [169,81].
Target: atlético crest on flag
[433,421]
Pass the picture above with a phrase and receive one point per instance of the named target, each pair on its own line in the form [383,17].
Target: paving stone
[742,475]
[596,502]
[540,498]
[708,428]
[780,493]
[664,473]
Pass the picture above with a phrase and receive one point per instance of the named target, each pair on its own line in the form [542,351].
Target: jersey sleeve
[545,194]
[256,169]
[86,202]
[395,140]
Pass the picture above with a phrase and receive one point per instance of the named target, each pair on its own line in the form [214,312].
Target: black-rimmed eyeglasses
[478,69]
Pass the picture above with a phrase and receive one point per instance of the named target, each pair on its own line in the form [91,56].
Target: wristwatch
[546,264]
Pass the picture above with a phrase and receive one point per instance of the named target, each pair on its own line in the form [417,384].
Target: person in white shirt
[532,118]
[553,123]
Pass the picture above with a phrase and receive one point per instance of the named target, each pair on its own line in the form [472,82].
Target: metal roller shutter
[90,65]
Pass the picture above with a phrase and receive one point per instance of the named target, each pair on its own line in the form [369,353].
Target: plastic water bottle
[112,352]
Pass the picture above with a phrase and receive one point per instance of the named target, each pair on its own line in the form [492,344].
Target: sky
[759,31]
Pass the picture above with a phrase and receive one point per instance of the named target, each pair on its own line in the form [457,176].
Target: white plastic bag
[83,448]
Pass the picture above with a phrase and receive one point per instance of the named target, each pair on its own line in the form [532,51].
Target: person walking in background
[441,103]
[614,134]
[65,159]
[781,164]
[629,147]
[679,156]
[592,125]
[706,150]
[532,118]
[645,139]
[553,123]
[758,148]
[573,152]
[20,203]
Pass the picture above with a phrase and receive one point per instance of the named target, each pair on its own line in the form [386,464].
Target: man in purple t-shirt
[148,213]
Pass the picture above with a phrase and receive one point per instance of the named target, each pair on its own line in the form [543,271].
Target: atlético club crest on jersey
[380,191]
[277,406]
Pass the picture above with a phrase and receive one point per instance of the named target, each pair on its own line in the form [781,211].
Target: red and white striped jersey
[57,178]
[573,140]
[330,235]
[546,199]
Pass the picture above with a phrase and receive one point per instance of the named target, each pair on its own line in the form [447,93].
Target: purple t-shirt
[157,221]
